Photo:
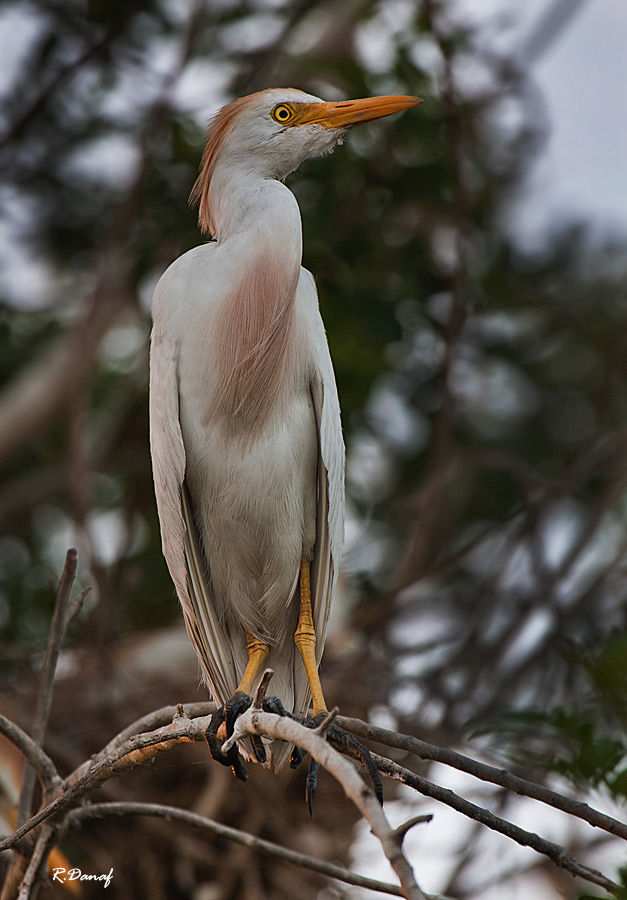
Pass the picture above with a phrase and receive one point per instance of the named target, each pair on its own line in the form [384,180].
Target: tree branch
[60,620]
[40,761]
[129,749]
[485,772]
[558,854]
[254,721]
[232,834]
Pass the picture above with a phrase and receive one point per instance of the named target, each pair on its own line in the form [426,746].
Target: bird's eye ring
[282,114]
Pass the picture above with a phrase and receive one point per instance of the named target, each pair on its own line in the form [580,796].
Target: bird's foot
[343,741]
[346,743]
[228,716]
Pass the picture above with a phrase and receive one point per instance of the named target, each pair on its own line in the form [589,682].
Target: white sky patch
[531,632]
[19,28]
[252,33]
[201,89]
[111,159]
[26,277]
[581,171]
[560,529]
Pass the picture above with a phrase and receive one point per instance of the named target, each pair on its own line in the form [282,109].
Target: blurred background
[471,261]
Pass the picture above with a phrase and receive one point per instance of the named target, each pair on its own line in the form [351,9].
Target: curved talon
[347,743]
[312,784]
[274,705]
[233,709]
[296,757]
[258,748]
[211,736]
[229,713]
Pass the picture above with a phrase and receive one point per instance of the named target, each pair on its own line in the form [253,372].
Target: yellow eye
[282,114]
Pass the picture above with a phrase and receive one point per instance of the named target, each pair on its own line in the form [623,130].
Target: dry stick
[40,761]
[90,775]
[558,854]
[254,721]
[232,834]
[143,747]
[59,623]
[421,749]
[159,718]
[45,841]
[485,772]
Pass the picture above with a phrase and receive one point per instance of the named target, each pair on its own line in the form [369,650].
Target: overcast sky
[583,79]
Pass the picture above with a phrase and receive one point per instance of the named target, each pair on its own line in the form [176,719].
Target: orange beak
[345,113]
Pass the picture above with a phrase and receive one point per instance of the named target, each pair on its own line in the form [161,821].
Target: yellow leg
[257,655]
[305,640]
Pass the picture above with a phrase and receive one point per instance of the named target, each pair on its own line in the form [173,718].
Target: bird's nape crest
[217,131]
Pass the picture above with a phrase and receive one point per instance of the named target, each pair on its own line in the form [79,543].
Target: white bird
[246,440]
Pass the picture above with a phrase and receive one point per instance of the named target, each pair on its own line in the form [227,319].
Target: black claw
[236,764]
[347,743]
[258,747]
[234,708]
[273,705]
[238,704]
[312,784]
[296,758]
[211,736]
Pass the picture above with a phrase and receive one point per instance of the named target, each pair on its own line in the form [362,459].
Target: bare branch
[139,750]
[158,718]
[45,842]
[40,761]
[262,688]
[286,729]
[485,772]
[558,854]
[60,620]
[232,834]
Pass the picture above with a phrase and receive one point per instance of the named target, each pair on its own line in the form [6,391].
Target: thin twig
[139,750]
[555,852]
[40,761]
[45,841]
[232,834]
[485,772]
[60,619]
[157,719]
[262,689]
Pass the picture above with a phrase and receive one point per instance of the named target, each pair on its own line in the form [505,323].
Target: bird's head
[270,133]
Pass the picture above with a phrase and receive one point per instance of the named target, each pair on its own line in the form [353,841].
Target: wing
[181,546]
[330,507]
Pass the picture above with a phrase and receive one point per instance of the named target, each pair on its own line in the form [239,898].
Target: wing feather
[179,535]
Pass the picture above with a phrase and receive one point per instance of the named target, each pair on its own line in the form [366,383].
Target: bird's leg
[257,655]
[305,640]
[237,704]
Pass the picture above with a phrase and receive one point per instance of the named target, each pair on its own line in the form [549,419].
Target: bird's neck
[259,234]
[248,204]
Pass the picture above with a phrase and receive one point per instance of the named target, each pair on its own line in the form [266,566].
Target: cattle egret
[246,440]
